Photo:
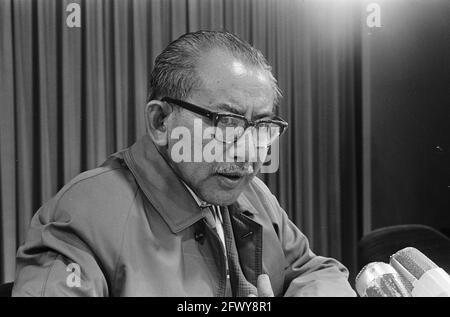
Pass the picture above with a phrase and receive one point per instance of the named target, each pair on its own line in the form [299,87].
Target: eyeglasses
[229,127]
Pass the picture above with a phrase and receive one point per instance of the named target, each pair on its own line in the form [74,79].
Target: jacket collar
[165,190]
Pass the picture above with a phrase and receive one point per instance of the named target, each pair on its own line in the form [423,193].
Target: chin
[222,198]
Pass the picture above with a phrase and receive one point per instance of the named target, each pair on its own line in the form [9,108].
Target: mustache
[238,168]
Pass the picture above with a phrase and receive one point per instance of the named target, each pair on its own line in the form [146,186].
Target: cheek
[262,155]
[194,173]
[191,141]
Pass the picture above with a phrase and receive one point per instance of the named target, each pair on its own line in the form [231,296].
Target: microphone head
[423,277]
[413,261]
[379,279]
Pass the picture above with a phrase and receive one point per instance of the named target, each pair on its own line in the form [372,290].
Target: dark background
[407,87]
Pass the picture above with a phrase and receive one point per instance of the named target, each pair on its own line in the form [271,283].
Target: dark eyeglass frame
[216,116]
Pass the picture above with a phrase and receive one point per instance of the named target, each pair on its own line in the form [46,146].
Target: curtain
[71,96]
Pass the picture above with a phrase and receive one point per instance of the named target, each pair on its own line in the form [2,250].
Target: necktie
[239,284]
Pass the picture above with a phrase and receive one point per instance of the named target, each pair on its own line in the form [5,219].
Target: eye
[230,121]
[227,121]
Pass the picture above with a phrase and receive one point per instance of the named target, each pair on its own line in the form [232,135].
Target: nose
[244,149]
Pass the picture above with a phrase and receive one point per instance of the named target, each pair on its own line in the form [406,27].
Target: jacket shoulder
[95,204]
[98,193]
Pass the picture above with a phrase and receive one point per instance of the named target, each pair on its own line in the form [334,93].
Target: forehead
[227,80]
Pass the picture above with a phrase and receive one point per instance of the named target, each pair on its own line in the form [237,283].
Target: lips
[233,175]
[229,182]
[231,179]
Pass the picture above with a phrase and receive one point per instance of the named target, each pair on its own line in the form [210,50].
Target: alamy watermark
[74,277]
[202,146]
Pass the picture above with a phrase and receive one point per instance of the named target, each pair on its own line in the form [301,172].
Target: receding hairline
[191,47]
[236,57]
[239,57]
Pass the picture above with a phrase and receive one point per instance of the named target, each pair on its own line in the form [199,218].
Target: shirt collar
[202,204]
[199,202]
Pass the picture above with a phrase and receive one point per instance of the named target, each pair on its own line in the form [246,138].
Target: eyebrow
[265,115]
[228,108]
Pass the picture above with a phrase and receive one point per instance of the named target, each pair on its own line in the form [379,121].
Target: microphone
[379,279]
[425,278]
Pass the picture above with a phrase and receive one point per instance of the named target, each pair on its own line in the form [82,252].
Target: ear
[156,120]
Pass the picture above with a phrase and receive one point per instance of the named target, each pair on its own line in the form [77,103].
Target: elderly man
[167,217]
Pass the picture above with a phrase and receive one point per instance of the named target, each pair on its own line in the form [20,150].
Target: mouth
[230,180]
[232,175]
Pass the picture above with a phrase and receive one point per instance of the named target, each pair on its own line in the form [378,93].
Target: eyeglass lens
[230,129]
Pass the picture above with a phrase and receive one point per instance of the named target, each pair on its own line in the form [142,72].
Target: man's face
[228,85]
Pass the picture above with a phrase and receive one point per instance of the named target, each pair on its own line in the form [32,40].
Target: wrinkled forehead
[227,79]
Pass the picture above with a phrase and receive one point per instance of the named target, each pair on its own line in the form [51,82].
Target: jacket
[131,228]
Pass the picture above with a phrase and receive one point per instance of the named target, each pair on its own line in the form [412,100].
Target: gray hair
[174,72]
